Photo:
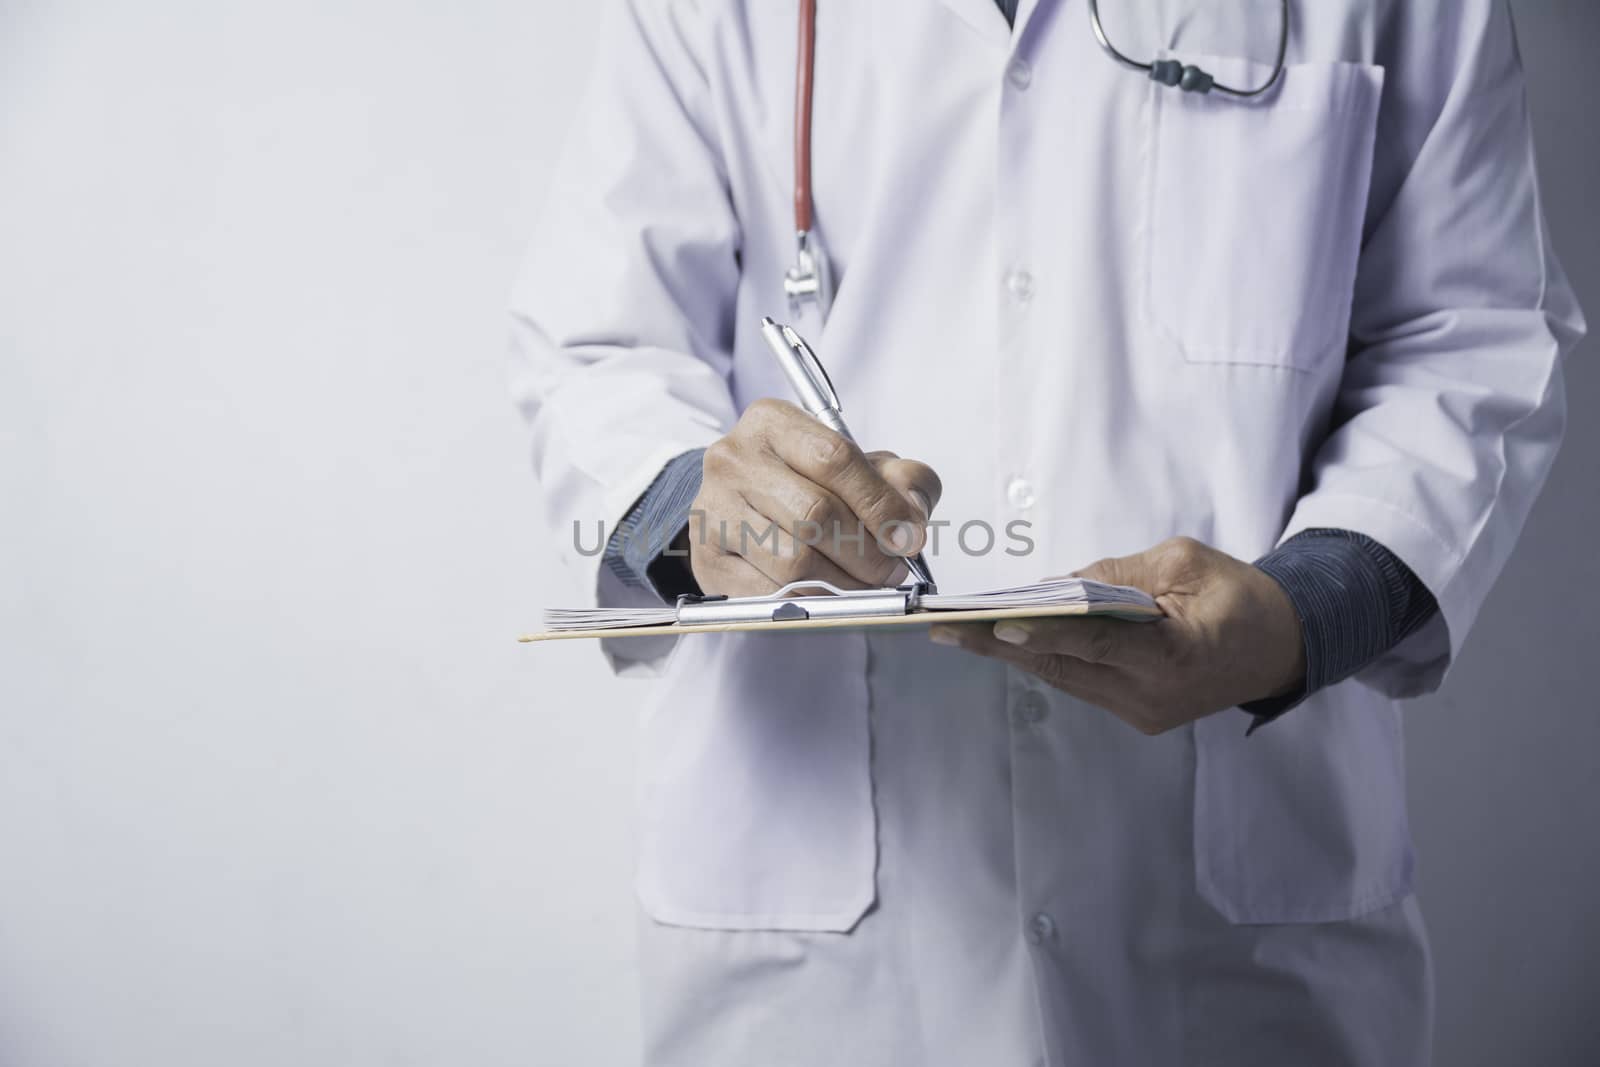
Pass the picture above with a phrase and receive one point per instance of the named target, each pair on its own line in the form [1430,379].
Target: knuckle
[833,455]
[1184,549]
[720,459]
[762,411]
[882,504]
[816,507]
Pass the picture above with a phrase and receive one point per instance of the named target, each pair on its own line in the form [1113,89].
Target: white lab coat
[1118,313]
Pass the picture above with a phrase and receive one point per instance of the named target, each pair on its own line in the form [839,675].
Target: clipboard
[791,608]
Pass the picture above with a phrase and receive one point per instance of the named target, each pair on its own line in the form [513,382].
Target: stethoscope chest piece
[808,282]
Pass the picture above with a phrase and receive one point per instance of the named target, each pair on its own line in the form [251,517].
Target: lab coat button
[1020,282]
[1019,74]
[1033,709]
[1041,928]
[1020,492]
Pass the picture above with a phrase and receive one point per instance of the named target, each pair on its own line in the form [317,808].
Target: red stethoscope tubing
[805,65]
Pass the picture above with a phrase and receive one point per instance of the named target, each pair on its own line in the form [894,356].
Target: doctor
[1289,361]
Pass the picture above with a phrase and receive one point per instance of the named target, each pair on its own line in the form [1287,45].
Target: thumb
[1141,571]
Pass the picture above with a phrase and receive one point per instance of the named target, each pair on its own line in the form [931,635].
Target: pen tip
[766,320]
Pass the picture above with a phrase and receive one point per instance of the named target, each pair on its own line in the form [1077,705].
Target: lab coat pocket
[1255,212]
[756,793]
[1305,820]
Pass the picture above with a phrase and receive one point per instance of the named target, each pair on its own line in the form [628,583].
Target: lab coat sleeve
[622,314]
[1451,406]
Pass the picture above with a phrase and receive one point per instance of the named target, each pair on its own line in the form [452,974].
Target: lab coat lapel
[1025,9]
[983,16]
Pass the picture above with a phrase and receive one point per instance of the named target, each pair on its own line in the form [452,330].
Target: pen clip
[818,372]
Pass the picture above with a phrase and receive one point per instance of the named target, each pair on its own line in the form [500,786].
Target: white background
[276,787]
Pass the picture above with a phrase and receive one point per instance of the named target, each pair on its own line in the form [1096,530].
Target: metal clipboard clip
[780,606]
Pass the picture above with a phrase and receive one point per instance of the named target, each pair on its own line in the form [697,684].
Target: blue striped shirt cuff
[1355,601]
[637,549]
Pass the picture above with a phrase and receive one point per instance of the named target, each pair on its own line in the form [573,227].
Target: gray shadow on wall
[1503,785]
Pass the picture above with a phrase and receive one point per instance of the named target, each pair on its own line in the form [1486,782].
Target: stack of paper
[1051,592]
[1056,592]
[560,619]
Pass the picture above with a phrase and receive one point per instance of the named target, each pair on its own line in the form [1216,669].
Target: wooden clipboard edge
[1131,612]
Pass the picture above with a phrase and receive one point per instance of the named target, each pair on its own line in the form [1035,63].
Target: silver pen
[815,391]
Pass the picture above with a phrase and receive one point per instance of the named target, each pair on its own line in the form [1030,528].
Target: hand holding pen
[811,384]
[789,496]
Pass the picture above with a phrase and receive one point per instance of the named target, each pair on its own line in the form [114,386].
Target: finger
[1137,571]
[818,519]
[715,520]
[1092,683]
[741,475]
[835,463]
[779,555]
[916,481]
[1169,566]
[725,574]
[794,435]
[1134,645]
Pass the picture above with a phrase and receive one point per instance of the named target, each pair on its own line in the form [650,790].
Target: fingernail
[900,537]
[920,499]
[943,635]
[1011,633]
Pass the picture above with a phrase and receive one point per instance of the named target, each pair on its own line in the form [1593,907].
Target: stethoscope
[809,281]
